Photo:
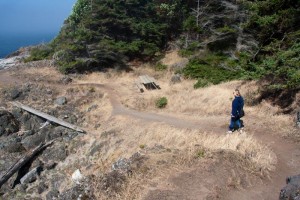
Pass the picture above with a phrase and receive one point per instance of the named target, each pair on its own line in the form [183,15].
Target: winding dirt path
[288,153]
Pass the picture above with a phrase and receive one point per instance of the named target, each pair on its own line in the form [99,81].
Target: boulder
[175,79]
[15,93]
[8,123]
[33,141]
[291,190]
[61,101]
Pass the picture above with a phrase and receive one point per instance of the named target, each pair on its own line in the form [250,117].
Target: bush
[160,67]
[39,53]
[201,83]
[161,102]
[209,70]
[226,29]
[200,153]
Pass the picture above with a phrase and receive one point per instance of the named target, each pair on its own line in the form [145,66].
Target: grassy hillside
[224,40]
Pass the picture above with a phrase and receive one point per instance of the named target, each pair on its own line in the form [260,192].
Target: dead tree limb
[22,161]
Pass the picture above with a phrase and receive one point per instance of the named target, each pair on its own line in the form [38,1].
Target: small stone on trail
[77,176]
[61,101]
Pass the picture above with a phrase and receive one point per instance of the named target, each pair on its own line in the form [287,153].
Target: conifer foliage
[105,33]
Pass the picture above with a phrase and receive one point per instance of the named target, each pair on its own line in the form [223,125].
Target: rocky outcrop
[292,190]
[8,123]
[14,145]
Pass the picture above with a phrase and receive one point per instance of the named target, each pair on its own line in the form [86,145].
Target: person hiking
[236,112]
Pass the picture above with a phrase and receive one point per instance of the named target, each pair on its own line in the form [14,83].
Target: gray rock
[122,164]
[31,122]
[30,176]
[77,192]
[54,133]
[291,190]
[175,79]
[56,153]
[15,93]
[9,143]
[61,101]
[8,123]
[53,194]
[17,112]
[33,141]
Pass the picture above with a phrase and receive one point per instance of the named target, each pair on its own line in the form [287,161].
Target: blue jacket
[237,106]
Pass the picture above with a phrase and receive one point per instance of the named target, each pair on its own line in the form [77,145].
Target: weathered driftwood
[22,161]
[48,117]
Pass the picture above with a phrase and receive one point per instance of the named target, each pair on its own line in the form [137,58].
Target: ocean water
[12,42]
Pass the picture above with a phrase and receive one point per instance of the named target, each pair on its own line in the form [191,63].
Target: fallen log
[48,117]
[22,161]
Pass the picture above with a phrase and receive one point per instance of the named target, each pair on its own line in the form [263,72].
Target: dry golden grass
[186,141]
[130,135]
[41,73]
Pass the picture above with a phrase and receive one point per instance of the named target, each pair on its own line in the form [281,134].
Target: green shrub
[160,67]
[201,83]
[74,66]
[161,102]
[209,70]
[39,53]
[200,153]
[226,29]
[186,52]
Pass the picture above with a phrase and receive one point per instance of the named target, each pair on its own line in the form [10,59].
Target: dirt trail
[288,153]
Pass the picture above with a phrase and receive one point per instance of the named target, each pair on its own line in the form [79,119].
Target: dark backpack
[242,113]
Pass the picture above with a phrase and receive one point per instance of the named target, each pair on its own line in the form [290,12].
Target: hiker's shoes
[241,130]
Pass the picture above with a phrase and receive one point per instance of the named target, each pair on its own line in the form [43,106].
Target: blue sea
[12,42]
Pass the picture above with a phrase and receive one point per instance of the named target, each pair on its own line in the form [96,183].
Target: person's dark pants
[235,124]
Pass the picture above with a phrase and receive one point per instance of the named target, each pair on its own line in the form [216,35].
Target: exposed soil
[211,179]
[288,154]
